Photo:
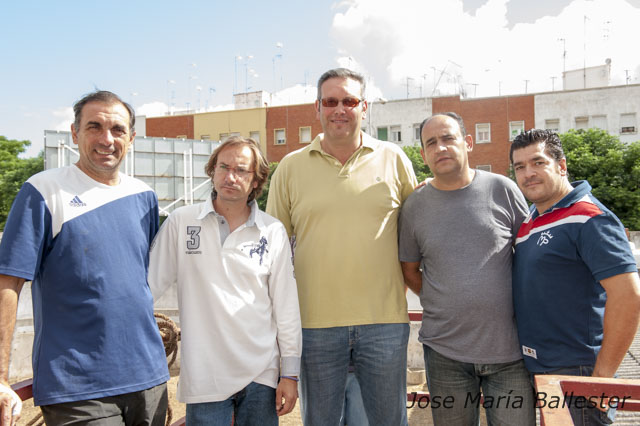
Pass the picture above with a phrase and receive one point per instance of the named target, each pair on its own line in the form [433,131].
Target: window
[205,137]
[279,136]
[416,133]
[628,123]
[483,132]
[485,167]
[382,133]
[396,134]
[255,136]
[515,128]
[582,123]
[552,124]
[305,134]
[599,122]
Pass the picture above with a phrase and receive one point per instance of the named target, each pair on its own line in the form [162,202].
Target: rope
[35,422]
[170,336]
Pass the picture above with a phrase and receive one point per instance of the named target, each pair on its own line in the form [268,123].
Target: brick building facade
[492,122]
[290,128]
[176,126]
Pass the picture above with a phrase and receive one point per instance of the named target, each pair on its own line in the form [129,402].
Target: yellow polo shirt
[344,221]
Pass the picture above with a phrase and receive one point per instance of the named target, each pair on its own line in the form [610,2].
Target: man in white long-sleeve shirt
[239,313]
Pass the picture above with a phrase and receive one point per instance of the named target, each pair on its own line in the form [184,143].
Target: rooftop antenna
[279,46]
[475,88]
[408,78]
[584,63]
[564,54]
[235,73]
[171,95]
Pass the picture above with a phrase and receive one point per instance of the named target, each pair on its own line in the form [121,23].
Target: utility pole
[553,84]
[526,85]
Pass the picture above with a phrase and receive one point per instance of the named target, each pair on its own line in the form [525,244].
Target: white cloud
[63,118]
[436,43]
[298,94]
[152,109]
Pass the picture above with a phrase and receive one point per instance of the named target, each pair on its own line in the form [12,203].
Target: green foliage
[611,167]
[422,170]
[14,171]
[262,199]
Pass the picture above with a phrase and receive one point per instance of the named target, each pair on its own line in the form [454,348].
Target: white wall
[403,112]
[584,78]
[609,101]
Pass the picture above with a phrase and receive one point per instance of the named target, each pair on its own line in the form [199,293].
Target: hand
[286,396]
[10,406]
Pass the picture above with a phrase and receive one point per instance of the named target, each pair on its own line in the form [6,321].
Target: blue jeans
[581,413]
[253,405]
[455,391]
[353,413]
[379,354]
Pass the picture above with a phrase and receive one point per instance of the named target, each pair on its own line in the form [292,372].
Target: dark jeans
[456,387]
[143,408]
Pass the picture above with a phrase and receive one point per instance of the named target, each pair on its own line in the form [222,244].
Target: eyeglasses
[240,172]
[346,102]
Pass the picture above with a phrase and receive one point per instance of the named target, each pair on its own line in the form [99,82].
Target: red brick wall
[290,118]
[498,112]
[170,126]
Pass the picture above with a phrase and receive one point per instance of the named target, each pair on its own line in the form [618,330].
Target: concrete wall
[141,125]
[584,78]
[611,102]
[20,366]
[405,113]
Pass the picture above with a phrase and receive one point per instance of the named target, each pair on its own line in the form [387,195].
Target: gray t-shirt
[463,240]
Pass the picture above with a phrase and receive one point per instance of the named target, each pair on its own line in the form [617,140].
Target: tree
[262,199]
[611,167]
[14,171]
[422,170]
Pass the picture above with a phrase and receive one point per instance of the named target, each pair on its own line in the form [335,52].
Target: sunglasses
[346,102]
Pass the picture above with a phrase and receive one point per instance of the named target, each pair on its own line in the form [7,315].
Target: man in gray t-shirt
[456,239]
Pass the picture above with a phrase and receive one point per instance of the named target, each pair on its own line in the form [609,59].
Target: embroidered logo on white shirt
[260,249]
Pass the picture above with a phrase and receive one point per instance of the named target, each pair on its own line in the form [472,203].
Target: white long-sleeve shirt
[237,296]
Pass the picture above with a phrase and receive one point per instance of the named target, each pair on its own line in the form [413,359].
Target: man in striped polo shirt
[575,282]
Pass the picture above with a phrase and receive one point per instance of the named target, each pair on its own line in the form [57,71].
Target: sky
[167,55]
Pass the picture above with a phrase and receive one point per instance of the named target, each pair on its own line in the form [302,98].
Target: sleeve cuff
[290,366]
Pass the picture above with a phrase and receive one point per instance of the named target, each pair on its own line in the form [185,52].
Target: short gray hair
[342,73]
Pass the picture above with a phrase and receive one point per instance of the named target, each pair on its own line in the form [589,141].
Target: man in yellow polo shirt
[339,199]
